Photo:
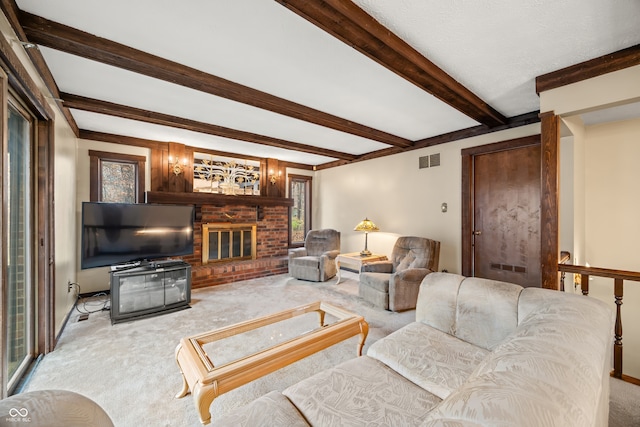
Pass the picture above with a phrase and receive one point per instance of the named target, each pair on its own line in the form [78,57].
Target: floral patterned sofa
[480,353]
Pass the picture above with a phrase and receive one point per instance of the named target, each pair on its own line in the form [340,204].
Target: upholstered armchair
[316,262]
[394,284]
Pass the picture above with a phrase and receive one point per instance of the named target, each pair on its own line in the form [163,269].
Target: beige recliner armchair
[316,262]
[394,284]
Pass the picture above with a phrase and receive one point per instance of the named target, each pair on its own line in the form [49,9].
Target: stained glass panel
[118,181]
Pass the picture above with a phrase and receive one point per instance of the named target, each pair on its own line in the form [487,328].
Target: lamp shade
[366,225]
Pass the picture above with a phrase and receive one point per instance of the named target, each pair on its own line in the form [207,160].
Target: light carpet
[129,368]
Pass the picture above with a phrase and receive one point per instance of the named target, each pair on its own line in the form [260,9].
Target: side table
[355,258]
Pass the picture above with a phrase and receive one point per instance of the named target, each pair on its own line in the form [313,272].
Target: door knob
[477,232]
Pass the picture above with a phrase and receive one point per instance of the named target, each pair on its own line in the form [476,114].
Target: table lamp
[367,226]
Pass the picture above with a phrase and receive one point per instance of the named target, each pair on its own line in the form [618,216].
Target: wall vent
[429,161]
[423,162]
[508,267]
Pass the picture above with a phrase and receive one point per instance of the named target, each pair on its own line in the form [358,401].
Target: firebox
[224,242]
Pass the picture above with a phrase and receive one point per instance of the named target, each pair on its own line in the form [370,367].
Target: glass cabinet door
[175,289]
[141,292]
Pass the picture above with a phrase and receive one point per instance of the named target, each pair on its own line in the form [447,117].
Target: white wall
[95,280]
[400,198]
[567,199]
[65,219]
[572,194]
[612,226]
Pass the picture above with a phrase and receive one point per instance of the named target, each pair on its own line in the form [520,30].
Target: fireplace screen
[228,242]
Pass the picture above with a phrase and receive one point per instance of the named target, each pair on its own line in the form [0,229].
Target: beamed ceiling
[314,83]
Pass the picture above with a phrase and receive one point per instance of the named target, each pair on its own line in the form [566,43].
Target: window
[300,213]
[116,178]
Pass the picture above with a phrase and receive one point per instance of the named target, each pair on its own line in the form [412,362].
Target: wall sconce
[176,166]
[273,178]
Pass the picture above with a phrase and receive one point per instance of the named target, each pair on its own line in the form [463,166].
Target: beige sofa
[480,353]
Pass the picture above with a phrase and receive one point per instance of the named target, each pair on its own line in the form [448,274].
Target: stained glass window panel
[118,182]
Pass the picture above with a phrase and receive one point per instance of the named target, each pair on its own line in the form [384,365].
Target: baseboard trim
[628,379]
[64,323]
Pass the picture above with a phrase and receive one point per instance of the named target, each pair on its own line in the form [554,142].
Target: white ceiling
[496,48]
[611,114]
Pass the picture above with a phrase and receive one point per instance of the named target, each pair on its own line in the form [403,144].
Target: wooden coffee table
[206,381]
[356,259]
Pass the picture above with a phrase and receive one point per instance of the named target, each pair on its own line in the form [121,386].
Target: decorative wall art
[214,174]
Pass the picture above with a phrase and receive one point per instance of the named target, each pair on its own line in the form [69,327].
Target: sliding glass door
[18,249]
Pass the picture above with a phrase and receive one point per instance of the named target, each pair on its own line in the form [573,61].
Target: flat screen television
[117,233]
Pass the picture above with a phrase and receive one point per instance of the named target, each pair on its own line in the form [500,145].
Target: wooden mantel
[199,199]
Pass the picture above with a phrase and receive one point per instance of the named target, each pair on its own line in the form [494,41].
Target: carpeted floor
[129,368]
[624,404]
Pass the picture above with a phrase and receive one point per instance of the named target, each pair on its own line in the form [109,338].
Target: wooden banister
[584,284]
[617,345]
[618,276]
[600,272]
[564,258]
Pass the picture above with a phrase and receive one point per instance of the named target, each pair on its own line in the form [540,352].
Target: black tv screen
[116,233]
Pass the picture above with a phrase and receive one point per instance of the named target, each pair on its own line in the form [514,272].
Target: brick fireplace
[270,215]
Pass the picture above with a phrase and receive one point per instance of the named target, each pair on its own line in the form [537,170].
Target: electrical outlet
[69,286]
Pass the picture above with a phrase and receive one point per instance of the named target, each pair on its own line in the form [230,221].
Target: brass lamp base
[365,252]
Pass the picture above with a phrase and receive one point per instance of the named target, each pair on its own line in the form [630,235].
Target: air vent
[423,162]
[507,267]
[429,161]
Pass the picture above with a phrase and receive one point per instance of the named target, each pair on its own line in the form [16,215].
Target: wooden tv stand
[206,381]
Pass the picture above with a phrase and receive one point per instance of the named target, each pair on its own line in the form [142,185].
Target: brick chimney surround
[269,213]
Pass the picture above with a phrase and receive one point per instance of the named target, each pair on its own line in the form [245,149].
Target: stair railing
[618,276]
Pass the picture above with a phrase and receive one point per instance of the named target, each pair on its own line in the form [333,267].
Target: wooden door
[505,215]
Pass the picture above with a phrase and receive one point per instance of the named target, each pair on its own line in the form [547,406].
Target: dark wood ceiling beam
[117,110]
[70,40]
[609,63]
[352,25]
[120,139]
[513,122]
